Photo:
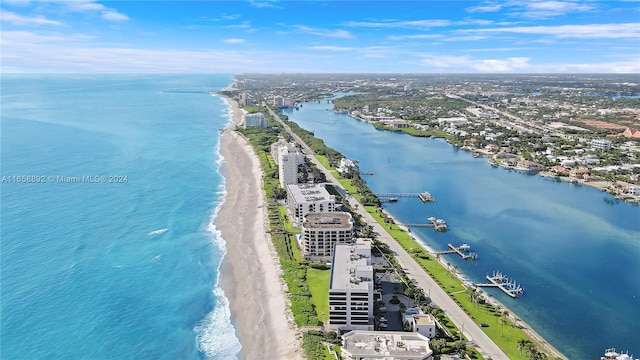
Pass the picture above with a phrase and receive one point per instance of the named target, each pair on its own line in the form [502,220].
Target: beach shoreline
[250,272]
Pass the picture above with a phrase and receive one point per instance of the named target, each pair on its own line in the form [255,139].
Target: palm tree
[437,345]
[502,322]
[522,344]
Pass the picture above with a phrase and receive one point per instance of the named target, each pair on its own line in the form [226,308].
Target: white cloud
[112,15]
[414,24]
[487,7]
[64,58]
[589,31]
[264,3]
[323,32]
[415,37]
[534,9]
[90,6]
[546,9]
[511,64]
[330,48]
[447,63]
[230,17]
[245,25]
[234,41]
[15,19]
[25,38]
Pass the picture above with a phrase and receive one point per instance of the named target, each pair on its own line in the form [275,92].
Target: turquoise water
[575,249]
[121,269]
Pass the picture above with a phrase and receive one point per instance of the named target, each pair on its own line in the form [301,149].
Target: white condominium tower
[351,288]
[322,231]
[308,198]
[288,157]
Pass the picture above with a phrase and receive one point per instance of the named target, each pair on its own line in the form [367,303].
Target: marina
[502,282]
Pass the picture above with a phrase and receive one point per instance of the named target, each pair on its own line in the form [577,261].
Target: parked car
[484,325]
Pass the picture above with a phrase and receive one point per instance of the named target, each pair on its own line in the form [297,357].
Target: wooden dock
[503,283]
[397,195]
[426,197]
[419,225]
[438,224]
[462,251]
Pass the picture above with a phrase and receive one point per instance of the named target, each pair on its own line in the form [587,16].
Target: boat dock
[462,251]
[438,224]
[502,282]
[426,197]
[423,196]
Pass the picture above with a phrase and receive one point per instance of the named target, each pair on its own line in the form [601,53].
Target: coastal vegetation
[307,286]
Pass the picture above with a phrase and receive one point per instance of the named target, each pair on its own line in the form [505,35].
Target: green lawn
[318,281]
[286,221]
[323,160]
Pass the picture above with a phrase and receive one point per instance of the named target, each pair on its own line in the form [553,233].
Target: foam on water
[157,232]
[216,334]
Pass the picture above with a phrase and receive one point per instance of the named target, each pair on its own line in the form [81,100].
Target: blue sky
[269,36]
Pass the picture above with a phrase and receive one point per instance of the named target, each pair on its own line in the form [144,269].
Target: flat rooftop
[328,220]
[309,192]
[424,320]
[346,264]
[395,344]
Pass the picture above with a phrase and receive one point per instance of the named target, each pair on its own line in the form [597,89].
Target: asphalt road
[477,338]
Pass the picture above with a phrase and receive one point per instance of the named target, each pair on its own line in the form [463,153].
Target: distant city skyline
[86,36]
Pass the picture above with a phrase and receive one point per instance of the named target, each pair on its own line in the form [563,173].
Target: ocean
[110,188]
[575,250]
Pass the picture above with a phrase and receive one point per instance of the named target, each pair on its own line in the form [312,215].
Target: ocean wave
[157,232]
[215,334]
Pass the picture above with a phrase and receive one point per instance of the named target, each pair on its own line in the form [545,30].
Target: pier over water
[463,251]
[502,282]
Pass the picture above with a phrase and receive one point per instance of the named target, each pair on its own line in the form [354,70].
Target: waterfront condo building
[383,345]
[601,144]
[303,199]
[288,157]
[255,120]
[322,231]
[245,99]
[280,101]
[351,288]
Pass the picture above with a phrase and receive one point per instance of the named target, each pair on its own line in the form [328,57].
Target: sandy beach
[251,272]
